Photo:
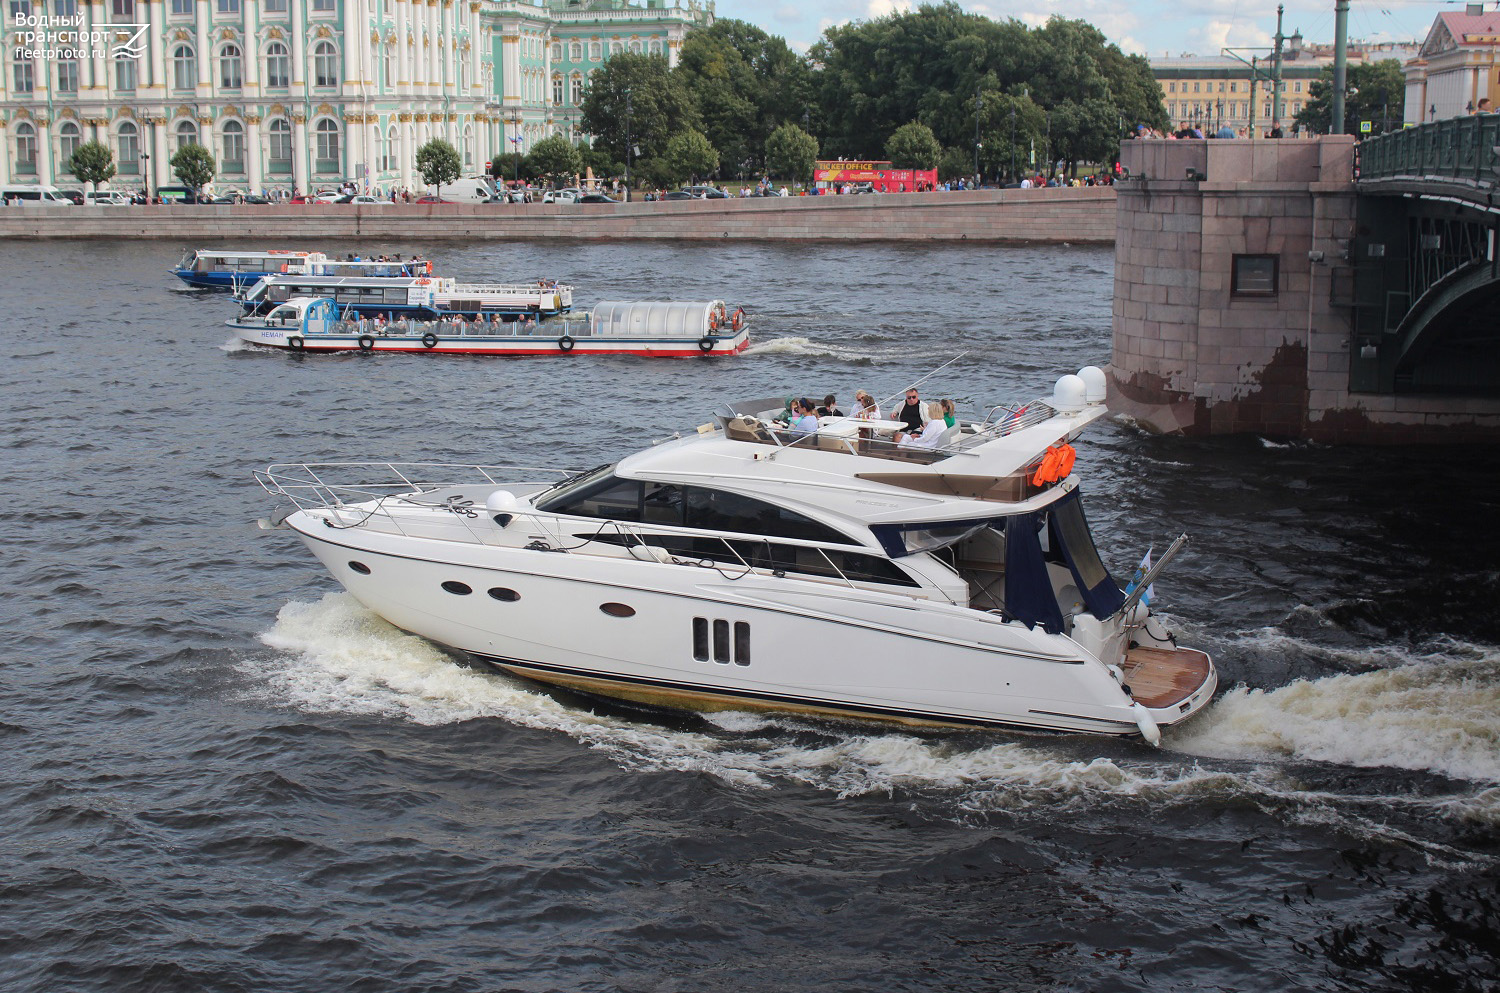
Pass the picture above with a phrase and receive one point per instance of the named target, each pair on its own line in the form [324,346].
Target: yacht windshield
[563,492]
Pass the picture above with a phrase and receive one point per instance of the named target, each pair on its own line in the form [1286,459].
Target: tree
[92,162]
[657,107]
[791,153]
[913,146]
[194,166]
[556,158]
[439,163]
[688,155]
[1375,92]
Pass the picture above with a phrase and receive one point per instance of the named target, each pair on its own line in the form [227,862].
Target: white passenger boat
[420,297]
[738,567]
[227,268]
[654,329]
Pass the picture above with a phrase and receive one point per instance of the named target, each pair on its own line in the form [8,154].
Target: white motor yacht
[742,566]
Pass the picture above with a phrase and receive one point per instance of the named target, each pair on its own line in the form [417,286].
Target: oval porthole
[456,588]
[360,568]
[618,609]
[503,594]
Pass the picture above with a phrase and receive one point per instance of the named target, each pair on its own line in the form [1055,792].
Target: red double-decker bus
[832,174]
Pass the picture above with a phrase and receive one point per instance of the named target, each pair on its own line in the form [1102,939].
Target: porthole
[618,609]
[503,594]
[359,567]
[456,588]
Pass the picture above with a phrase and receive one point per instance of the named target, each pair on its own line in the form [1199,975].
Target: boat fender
[739,318]
[1147,724]
[429,340]
[566,343]
[295,343]
[366,343]
[705,344]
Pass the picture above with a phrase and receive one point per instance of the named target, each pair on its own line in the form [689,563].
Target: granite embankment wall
[1073,215]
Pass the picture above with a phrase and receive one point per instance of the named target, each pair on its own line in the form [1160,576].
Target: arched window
[231,68]
[635,47]
[68,140]
[127,140]
[187,134]
[234,147]
[388,150]
[125,75]
[184,68]
[575,52]
[655,47]
[328,147]
[278,66]
[594,51]
[388,65]
[557,51]
[557,89]
[280,159]
[325,65]
[25,148]
[468,147]
[576,88]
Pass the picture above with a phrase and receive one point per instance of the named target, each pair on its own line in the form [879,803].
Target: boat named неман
[662,329]
[229,269]
[740,566]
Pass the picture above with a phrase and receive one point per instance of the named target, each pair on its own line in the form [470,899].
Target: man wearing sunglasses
[911,413]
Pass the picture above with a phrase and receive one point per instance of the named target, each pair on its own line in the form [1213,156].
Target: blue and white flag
[1140,574]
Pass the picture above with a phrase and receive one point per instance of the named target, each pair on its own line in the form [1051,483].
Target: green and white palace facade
[306,94]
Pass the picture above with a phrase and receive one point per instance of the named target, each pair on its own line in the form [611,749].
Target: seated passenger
[865,407]
[804,420]
[830,407]
[931,432]
[948,415]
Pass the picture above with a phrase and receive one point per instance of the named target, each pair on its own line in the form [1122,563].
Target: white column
[5,154]
[354,147]
[159,154]
[403,75]
[152,73]
[364,26]
[434,74]
[203,43]
[253,175]
[510,58]
[299,47]
[43,144]
[300,172]
[476,50]
[249,44]
[93,14]
[407,153]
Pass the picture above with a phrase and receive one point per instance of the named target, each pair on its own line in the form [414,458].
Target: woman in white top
[931,431]
[865,407]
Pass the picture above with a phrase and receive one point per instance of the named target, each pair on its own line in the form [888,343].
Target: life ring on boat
[366,343]
[705,344]
[423,282]
[429,340]
[283,267]
[295,343]
[713,321]
[739,318]
[566,343]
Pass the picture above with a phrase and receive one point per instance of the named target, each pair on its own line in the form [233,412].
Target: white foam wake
[335,656]
[237,344]
[806,346]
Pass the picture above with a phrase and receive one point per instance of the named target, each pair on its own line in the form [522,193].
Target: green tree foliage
[688,155]
[194,166]
[557,159]
[913,146]
[791,153]
[505,166]
[439,163]
[956,163]
[659,105]
[92,162]
[1375,92]
[744,83]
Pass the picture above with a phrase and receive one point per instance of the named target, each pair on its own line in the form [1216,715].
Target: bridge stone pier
[1234,305]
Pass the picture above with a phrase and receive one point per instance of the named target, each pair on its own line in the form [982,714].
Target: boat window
[716,510]
[1068,535]
[554,500]
[721,642]
[829,563]
[662,504]
[700,638]
[907,539]
[741,643]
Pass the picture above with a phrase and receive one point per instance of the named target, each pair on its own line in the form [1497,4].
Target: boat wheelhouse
[659,329]
[744,566]
[232,269]
[422,297]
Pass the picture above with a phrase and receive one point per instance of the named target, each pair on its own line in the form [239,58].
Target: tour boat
[658,329]
[418,296]
[740,566]
[231,269]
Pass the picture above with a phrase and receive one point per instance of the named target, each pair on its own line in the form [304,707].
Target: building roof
[1457,30]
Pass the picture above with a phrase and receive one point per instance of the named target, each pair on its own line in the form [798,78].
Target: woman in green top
[948,412]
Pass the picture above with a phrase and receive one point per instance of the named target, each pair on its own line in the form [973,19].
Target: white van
[472,190]
[110,198]
[16,195]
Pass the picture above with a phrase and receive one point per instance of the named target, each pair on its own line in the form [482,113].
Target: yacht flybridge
[746,567]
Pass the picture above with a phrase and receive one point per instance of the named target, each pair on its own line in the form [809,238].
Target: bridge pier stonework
[1234,301]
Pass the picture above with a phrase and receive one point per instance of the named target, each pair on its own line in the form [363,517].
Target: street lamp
[146,172]
[1013,144]
[515,119]
[978,106]
[627,146]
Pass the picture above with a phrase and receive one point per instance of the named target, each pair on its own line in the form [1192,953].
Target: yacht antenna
[892,397]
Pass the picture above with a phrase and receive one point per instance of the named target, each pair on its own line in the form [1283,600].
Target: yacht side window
[715,510]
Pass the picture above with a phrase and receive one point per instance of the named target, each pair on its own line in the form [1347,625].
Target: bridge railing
[1459,148]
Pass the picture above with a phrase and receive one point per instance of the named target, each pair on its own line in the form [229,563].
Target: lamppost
[146,173]
[1013,144]
[978,106]
[515,119]
[627,146]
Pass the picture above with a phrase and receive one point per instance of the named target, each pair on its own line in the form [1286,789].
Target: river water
[222,774]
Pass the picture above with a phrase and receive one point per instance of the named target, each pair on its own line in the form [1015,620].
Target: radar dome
[1094,388]
[1068,394]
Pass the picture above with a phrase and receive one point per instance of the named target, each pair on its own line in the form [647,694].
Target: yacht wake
[334,656]
[807,346]
[237,345]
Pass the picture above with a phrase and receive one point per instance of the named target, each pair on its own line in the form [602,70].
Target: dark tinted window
[700,638]
[716,510]
[737,553]
[456,588]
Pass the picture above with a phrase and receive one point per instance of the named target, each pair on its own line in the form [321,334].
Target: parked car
[363,198]
[706,192]
[181,194]
[515,196]
[568,195]
[76,196]
[864,188]
[111,198]
[431,200]
[595,198]
[677,195]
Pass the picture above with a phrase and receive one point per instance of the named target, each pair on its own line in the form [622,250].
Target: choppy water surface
[223,774]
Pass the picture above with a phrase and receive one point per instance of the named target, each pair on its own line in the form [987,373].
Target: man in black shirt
[911,413]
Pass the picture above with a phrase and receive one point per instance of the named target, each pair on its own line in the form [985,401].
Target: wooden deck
[1162,677]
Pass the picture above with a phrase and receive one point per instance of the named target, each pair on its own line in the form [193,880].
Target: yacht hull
[681,636]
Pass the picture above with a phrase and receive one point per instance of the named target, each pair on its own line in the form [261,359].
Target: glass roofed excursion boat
[740,567]
[228,269]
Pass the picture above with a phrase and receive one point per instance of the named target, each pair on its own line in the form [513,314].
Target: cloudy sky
[1147,27]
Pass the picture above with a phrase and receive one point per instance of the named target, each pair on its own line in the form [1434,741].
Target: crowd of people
[924,425]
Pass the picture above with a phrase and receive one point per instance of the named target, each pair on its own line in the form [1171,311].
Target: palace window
[231,71]
[324,4]
[68,140]
[274,6]
[557,89]
[325,65]
[182,6]
[64,8]
[595,50]
[1254,275]
[25,76]
[328,146]
[187,134]
[278,66]
[281,146]
[575,52]
[388,150]
[229,6]
[557,51]
[388,65]
[655,47]
[127,141]
[25,148]
[234,147]
[125,75]
[67,76]
[184,68]
[635,47]
[123,10]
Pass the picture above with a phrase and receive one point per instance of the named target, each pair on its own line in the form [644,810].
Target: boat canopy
[656,318]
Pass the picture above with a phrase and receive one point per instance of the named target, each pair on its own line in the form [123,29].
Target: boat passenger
[928,438]
[804,420]
[948,417]
[911,412]
[830,407]
[865,407]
